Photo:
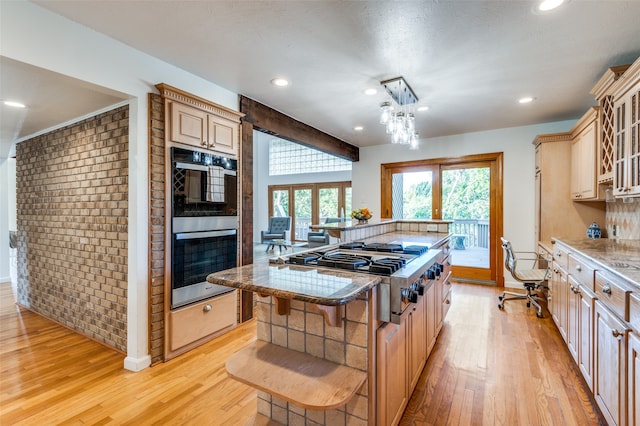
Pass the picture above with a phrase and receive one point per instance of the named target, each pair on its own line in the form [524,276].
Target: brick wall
[156,223]
[72,208]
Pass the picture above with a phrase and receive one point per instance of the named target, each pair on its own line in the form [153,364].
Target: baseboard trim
[137,364]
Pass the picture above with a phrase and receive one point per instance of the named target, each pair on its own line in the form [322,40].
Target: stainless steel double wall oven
[204,222]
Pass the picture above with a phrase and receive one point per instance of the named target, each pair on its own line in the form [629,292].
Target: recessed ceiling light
[358,128]
[370,91]
[547,5]
[423,108]
[14,104]
[280,82]
[526,100]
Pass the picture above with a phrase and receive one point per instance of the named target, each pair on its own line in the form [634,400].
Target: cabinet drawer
[634,312]
[561,256]
[191,323]
[612,294]
[581,271]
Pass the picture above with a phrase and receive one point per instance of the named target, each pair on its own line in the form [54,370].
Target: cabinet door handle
[204,142]
[606,289]
[578,268]
[616,333]
[206,308]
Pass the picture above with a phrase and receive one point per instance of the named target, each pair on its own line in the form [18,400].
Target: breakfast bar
[311,358]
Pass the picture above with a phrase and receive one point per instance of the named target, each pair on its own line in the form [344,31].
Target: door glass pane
[411,193]
[347,203]
[465,200]
[280,203]
[302,213]
[328,198]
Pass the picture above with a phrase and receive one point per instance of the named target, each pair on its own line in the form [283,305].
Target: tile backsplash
[626,217]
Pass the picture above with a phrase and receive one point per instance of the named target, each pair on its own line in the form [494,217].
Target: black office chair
[532,279]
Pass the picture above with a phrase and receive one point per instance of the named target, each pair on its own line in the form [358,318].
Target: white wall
[38,37]
[5,193]
[11,196]
[519,171]
[262,180]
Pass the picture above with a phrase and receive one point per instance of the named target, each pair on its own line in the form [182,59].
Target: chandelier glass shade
[398,115]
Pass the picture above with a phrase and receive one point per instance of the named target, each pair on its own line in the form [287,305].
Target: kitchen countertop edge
[618,256]
[230,278]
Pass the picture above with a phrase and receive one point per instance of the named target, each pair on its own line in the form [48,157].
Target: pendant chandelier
[398,114]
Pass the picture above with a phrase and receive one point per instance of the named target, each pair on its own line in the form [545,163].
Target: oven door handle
[207,234]
[187,166]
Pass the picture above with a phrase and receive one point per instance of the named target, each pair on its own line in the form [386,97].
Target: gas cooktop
[373,258]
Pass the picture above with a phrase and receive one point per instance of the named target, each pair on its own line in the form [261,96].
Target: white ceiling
[51,98]
[469,61]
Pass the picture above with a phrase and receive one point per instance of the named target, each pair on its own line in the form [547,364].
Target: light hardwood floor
[489,367]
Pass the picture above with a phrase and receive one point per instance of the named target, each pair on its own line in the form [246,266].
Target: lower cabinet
[430,301]
[201,320]
[416,326]
[560,286]
[402,351]
[391,372]
[573,318]
[585,334]
[634,379]
[610,381]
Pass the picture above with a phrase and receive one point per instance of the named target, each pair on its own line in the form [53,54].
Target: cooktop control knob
[413,296]
[440,267]
[404,294]
[431,273]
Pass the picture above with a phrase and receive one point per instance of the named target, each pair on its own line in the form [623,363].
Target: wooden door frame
[495,160]
[315,198]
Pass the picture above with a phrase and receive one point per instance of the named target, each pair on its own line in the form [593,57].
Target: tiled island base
[305,330]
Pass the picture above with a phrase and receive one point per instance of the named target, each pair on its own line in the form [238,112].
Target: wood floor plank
[516,366]
[489,367]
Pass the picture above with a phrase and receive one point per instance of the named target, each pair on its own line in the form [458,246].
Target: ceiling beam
[273,122]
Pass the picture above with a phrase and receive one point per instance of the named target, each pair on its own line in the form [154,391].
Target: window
[310,203]
[288,158]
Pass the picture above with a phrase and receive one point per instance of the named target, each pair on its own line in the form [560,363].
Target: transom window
[288,158]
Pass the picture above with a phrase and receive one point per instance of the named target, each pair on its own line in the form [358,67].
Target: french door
[309,204]
[467,191]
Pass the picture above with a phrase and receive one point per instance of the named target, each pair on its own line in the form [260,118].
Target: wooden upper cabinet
[584,184]
[626,106]
[199,123]
[602,92]
[223,135]
[618,94]
[188,125]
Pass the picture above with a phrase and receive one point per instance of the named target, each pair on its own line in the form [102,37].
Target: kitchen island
[312,322]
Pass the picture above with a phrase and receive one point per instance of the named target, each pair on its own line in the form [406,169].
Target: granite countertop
[621,257]
[349,224]
[321,286]
[401,237]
